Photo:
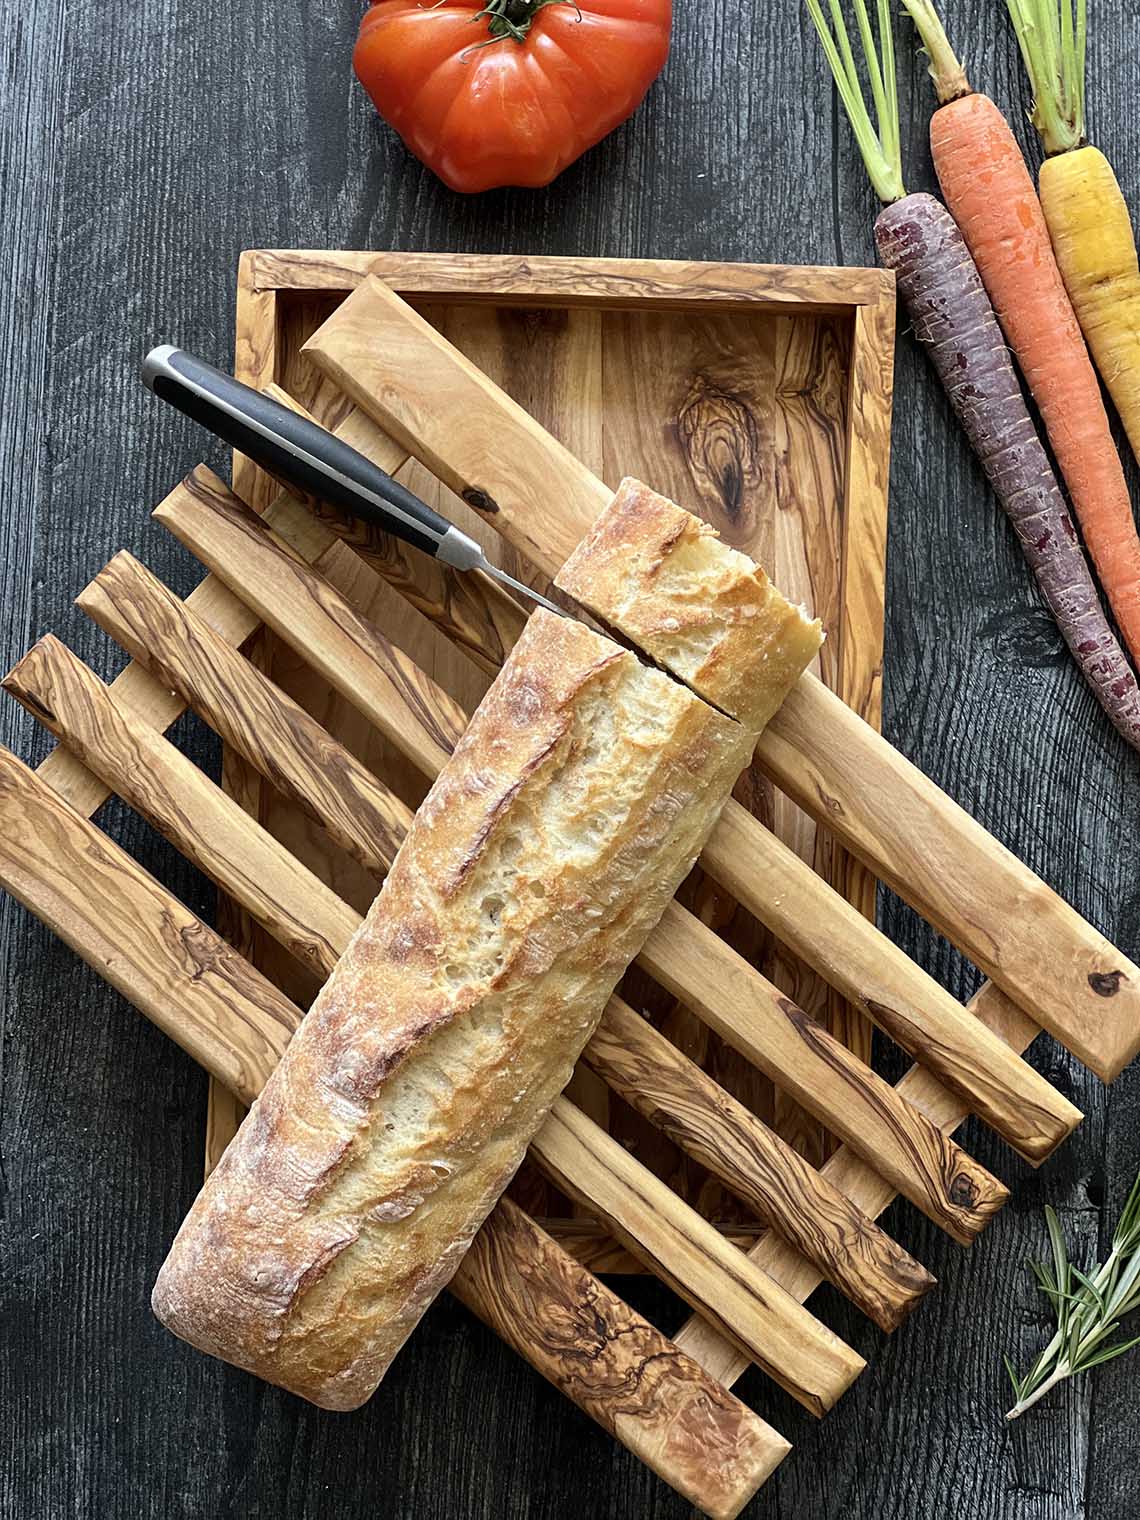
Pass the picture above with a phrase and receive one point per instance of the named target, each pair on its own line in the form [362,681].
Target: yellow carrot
[1092,237]
[1085,212]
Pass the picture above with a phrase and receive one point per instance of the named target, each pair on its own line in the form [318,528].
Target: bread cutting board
[758,396]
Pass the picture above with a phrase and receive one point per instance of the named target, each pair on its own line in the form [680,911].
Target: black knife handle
[300,455]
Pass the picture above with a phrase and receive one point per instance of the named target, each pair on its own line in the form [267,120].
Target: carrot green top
[1052,36]
[879,141]
[950,82]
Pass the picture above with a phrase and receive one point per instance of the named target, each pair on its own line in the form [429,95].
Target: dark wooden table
[143,144]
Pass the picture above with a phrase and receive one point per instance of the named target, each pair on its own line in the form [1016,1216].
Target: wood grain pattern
[347,349]
[756,399]
[1019,932]
[258,720]
[866,479]
[710,425]
[255,356]
[673,284]
[753,1162]
[210,828]
[154,951]
[118,232]
[281,741]
[307,612]
[819,927]
[304,609]
[689,1254]
[827,932]
[659,1403]
[216,605]
[874,1119]
[831,762]
[863,1186]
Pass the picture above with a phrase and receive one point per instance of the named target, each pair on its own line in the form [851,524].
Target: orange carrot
[988,189]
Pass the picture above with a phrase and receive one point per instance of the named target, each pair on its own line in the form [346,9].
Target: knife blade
[306,458]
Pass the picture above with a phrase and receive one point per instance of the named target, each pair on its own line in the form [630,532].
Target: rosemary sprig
[1088,1308]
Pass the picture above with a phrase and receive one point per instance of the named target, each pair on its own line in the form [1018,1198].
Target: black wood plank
[142,146]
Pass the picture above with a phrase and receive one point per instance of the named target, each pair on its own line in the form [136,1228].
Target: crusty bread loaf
[575,804]
[700,609]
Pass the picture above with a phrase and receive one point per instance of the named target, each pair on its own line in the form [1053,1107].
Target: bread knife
[308,459]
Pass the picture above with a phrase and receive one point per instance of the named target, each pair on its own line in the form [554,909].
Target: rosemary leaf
[1089,1307]
[1013,1377]
[1108,1355]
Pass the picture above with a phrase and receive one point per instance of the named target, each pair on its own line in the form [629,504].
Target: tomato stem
[510,20]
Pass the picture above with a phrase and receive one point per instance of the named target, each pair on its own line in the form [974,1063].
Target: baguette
[550,844]
[700,609]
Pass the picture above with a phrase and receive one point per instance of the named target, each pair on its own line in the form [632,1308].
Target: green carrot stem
[950,81]
[880,141]
[1053,42]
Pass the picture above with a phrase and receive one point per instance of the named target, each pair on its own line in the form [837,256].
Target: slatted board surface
[292,571]
[733,385]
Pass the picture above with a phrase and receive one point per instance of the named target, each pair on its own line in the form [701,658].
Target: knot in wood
[1106,984]
[720,435]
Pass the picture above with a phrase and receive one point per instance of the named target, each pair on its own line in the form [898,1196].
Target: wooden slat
[225,1014]
[591,1244]
[477,614]
[907,1004]
[505,279]
[425,393]
[278,737]
[862,593]
[658,1402]
[307,613]
[216,605]
[136,608]
[211,829]
[161,957]
[1027,939]
[859,1182]
[256,357]
[252,715]
[214,832]
[753,1162]
[689,1254]
[756,1018]
[462,399]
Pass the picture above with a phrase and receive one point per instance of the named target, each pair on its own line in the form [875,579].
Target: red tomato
[511,93]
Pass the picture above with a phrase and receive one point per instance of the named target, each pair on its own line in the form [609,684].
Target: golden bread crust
[700,609]
[550,844]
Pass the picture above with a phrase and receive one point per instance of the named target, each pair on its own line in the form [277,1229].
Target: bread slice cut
[697,607]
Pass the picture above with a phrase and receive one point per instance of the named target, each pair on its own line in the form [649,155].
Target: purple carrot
[952,316]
